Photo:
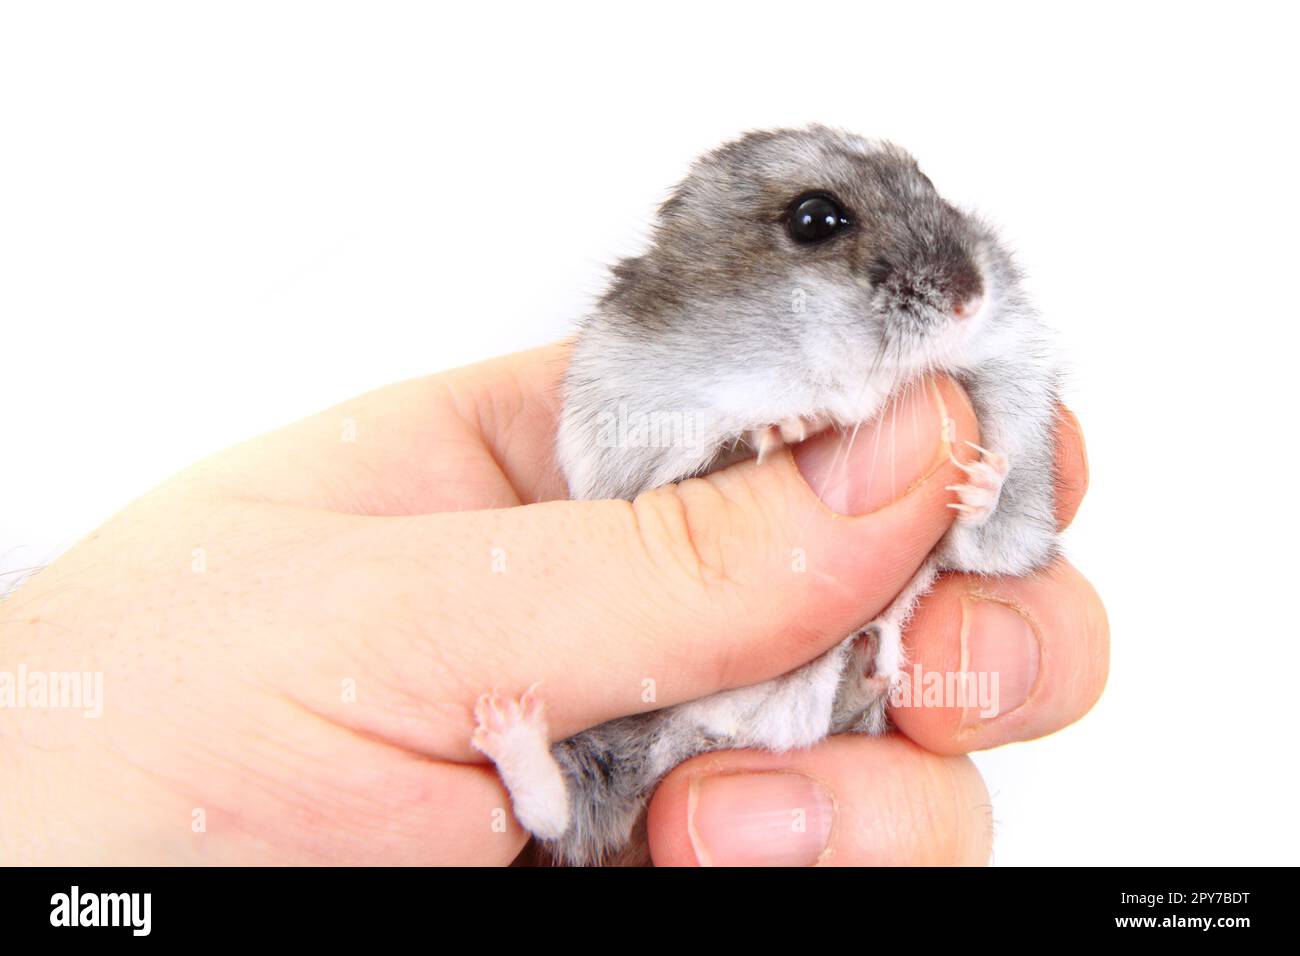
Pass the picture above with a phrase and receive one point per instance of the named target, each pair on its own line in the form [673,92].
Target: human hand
[898,799]
[292,635]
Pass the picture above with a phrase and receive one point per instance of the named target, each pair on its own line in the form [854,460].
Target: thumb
[618,607]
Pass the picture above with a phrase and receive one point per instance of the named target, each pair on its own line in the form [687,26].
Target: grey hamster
[896,283]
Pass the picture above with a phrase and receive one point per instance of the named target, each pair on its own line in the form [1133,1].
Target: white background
[217,218]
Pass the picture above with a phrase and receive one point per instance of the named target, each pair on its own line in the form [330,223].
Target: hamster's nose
[968,306]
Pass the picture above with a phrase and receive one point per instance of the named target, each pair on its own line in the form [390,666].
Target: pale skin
[294,632]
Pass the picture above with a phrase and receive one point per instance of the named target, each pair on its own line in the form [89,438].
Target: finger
[622,607]
[849,801]
[1003,659]
[475,437]
[1071,467]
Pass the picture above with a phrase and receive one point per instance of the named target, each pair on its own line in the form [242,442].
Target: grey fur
[702,324]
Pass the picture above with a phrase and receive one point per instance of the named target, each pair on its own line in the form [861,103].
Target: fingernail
[856,472]
[1000,649]
[759,819]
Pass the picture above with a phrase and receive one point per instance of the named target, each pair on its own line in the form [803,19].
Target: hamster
[892,283]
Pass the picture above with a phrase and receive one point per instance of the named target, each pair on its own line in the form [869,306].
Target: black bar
[333,906]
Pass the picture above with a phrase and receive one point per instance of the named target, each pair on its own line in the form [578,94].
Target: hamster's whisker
[893,455]
[847,447]
[914,386]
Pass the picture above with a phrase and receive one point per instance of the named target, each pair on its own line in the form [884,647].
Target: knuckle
[689,531]
[714,549]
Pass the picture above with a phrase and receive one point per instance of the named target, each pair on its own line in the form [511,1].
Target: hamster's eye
[814,218]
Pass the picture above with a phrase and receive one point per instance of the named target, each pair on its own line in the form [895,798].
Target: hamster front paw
[979,495]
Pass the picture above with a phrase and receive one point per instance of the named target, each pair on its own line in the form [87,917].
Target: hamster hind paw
[514,734]
[979,495]
[890,656]
[862,699]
